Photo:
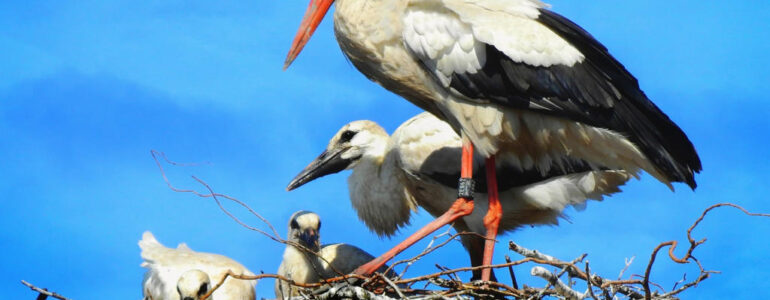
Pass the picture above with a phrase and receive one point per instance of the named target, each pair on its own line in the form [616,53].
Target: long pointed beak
[325,164]
[316,11]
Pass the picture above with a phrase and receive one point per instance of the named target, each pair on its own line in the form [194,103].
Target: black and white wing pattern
[517,55]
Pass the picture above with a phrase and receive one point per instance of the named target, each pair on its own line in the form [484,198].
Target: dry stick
[628,264]
[392,285]
[554,280]
[684,279]
[550,282]
[275,236]
[43,293]
[575,272]
[590,290]
[693,244]
[262,276]
[702,277]
[428,249]
[452,277]
[510,271]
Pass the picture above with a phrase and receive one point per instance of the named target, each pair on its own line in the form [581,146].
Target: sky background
[88,88]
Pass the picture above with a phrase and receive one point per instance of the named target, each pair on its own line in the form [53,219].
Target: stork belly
[532,140]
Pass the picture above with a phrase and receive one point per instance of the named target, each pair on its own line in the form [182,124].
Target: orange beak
[313,16]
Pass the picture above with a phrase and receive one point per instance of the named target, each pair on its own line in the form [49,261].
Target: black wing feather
[508,177]
[598,91]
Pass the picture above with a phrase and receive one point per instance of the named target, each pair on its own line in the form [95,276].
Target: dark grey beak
[309,237]
[325,164]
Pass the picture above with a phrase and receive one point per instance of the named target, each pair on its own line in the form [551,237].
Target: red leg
[461,207]
[492,219]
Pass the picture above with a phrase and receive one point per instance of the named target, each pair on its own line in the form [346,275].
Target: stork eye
[346,136]
[319,226]
[294,224]
[203,289]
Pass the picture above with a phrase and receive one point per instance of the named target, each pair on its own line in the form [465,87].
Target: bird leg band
[465,188]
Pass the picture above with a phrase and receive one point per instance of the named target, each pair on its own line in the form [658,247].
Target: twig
[590,290]
[580,258]
[561,288]
[428,249]
[693,244]
[628,264]
[274,236]
[702,277]
[392,285]
[43,293]
[510,271]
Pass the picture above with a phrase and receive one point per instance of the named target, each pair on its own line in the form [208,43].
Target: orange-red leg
[461,207]
[492,219]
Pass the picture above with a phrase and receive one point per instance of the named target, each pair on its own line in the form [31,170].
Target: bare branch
[693,244]
[561,288]
[43,293]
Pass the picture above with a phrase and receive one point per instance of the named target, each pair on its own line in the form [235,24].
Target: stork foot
[477,276]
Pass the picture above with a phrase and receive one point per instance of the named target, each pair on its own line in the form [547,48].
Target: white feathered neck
[376,188]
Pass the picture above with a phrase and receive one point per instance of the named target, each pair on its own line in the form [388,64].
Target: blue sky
[87,88]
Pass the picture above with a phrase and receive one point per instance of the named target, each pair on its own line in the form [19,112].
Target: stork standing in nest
[418,166]
[520,83]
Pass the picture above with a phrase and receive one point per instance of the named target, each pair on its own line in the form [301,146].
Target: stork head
[193,284]
[316,11]
[352,142]
[304,227]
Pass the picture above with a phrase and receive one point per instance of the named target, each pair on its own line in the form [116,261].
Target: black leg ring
[465,188]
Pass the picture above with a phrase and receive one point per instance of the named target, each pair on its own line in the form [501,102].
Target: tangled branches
[446,284]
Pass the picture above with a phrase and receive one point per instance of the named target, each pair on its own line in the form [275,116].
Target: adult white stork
[516,80]
[418,165]
[321,262]
[183,274]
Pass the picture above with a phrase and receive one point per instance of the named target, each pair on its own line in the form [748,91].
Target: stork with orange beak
[519,82]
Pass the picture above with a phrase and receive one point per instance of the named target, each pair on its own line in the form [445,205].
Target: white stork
[518,81]
[418,165]
[183,274]
[326,261]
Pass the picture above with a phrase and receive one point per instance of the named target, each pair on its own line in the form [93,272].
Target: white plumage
[393,174]
[526,86]
[327,261]
[182,270]
[502,70]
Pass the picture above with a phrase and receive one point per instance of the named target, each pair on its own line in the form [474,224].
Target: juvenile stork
[418,165]
[324,262]
[519,82]
[183,274]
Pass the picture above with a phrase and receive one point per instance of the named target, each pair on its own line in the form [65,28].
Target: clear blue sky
[88,87]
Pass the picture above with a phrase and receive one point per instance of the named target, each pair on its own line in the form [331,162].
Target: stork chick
[315,262]
[193,284]
[183,274]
